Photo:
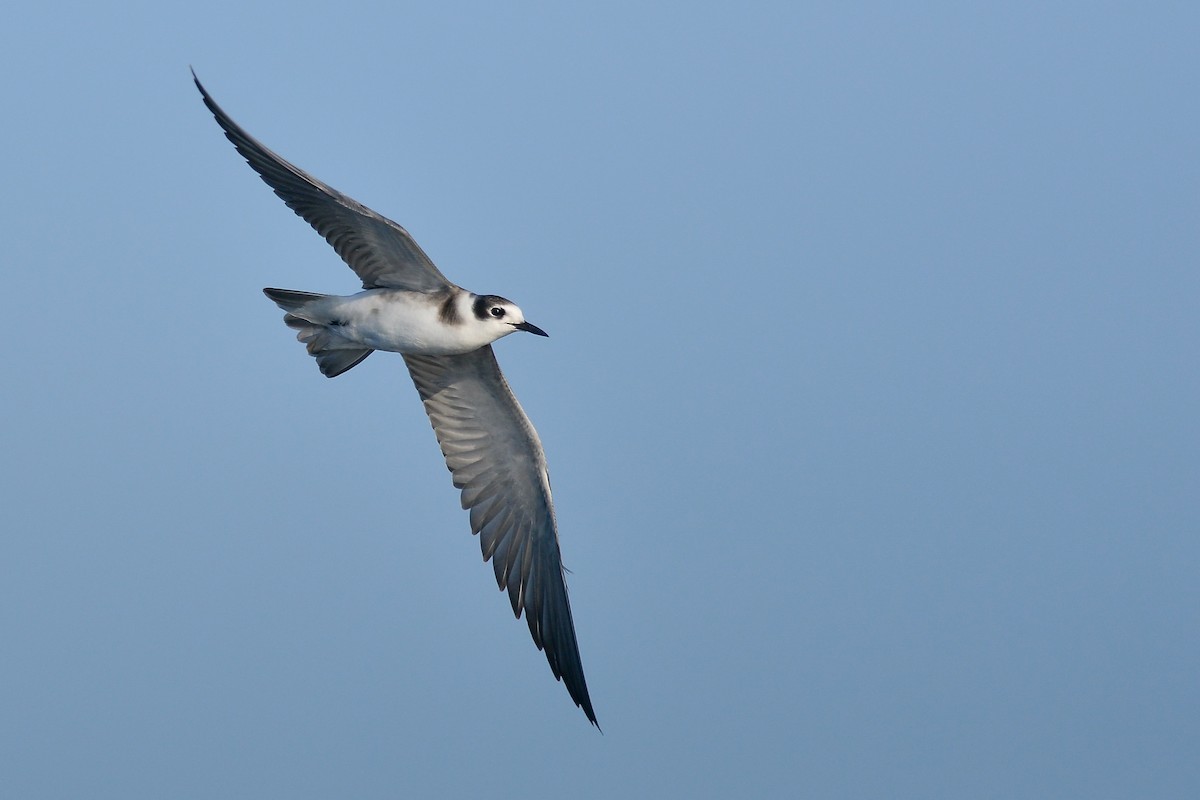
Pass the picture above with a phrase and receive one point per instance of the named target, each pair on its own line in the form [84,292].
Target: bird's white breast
[410,322]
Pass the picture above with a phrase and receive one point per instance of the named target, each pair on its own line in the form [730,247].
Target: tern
[444,334]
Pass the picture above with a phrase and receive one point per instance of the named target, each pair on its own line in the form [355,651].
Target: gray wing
[496,459]
[379,251]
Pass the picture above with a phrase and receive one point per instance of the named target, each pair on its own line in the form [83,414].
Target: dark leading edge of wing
[497,460]
[379,251]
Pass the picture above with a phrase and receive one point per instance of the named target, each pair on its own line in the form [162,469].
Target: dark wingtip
[208,101]
[579,694]
[196,80]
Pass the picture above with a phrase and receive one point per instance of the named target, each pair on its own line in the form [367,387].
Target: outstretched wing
[379,251]
[496,459]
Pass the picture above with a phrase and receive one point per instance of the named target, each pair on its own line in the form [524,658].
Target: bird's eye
[497,312]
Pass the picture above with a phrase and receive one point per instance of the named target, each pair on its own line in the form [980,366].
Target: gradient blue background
[870,401]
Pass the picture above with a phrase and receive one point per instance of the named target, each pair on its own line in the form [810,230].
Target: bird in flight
[444,334]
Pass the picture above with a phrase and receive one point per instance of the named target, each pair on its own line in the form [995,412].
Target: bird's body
[444,333]
[400,321]
[451,321]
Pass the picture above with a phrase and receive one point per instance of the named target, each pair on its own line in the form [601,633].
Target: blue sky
[869,401]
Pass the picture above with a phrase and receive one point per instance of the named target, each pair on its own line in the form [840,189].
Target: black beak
[530,328]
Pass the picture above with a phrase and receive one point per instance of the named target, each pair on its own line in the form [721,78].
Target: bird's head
[503,315]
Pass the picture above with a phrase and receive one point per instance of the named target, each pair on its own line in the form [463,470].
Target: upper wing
[496,459]
[377,249]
